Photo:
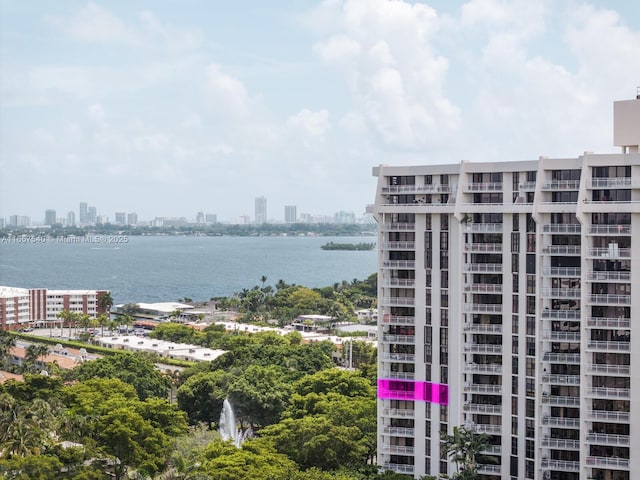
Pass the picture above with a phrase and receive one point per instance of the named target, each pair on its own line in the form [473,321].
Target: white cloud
[176,39]
[313,124]
[226,92]
[92,23]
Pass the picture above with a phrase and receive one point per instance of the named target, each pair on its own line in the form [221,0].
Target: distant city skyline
[161,109]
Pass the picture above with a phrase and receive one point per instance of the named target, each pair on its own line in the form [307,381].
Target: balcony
[560,401]
[484,227]
[608,439]
[399,357]
[613,370]
[608,416]
[389,319]
[486,368]
[483,328]
[483,308]
[399,450]
[482,348]
[483,247]
[399,431]
[606,299]
[399,301]
[562,228]
[483,187]
[561,314]
[398,227]
[398,412]
[399,264]
[488,428]
[483,267]
[554,379]
[561,185]
[562,422]
[598,346]
[610,252]
[608,462]
[487,469]
[613,182]
[404,339]
[399,245]
[399,282]
[609,392]
[482,408]
[398,467]
[561,292]
[608,322]
[569,358]
[560,443]
[560,465]
[398,375]
[554,336]
[527,186]
[482,288]
[483,388]
[409,188]
[609,276]
[610,230]
[562,271]
[561,250]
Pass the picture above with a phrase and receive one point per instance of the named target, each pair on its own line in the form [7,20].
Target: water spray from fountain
[228,427]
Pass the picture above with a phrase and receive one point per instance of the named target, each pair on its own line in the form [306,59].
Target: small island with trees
[348,246]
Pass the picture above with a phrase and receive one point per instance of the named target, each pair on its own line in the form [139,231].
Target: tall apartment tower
[49,217]
[83,217]
[290,214]
[506,306]
[261,210]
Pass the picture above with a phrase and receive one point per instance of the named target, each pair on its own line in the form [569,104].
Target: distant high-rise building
[345,217]
[83,213]
[121,218]
[1,222]
[200,217]
[92,215]
[132,218]
[19,221]
[49,217]
[290,214]
[211,218]
[261,210]
[71,219]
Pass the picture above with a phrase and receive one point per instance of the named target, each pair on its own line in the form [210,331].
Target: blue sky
[171,107]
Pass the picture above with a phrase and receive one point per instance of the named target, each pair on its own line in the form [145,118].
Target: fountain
[228,427]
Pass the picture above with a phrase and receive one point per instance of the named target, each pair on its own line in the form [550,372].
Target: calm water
[148,269]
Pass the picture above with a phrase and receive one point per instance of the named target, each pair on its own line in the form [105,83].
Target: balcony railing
[487,469]
[561,228]
[399,264]
[399,467]
[483,267]
[487,368]
[610,229]
[607,322]
[483,247]
[606,299]
[399,245]
[554,336]
[609,392]
[391,227]
[527,186]
[482,408]
[561,185]
[600,276]
[561,465]
[598,346]
[607,439]
[560,443]
[405,339]
[484,187]
[560,401]
[404,301]
[613,182]
[489,428]
[563,422]
[561,292]
[561,271]
[621,370]
[483,307]
[608,416]
[561,314]
[482,288]
[401,450]
[483,388]
[561,379]
[482,348]
[569,358]
[399,357]
[608,462]
[399,282]
[399,431]
[389,319]
[399,375]
[483,328]
[484,227]
[399,412]
[562,249]
[609,252]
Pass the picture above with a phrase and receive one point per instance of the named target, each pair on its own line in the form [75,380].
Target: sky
[170,107]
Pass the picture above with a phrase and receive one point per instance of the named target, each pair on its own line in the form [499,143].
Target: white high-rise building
[506,305]
[290,214]
[261,210]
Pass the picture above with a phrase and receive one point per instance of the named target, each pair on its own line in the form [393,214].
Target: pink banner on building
[410,390]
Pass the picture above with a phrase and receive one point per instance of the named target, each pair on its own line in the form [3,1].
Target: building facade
[505,306]
[260,210]
[290,214]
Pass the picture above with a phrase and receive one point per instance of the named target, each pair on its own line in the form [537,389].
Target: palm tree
[102,320]
[67,317]
[105,302]
[463,447]
[7,342]
[33,354]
